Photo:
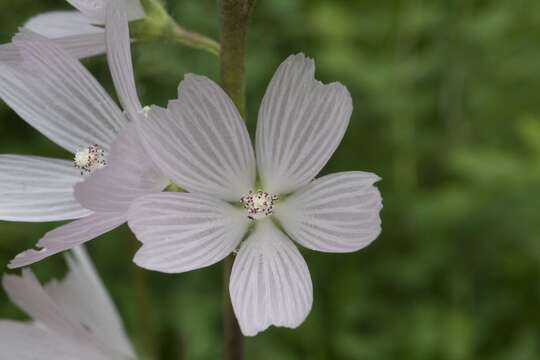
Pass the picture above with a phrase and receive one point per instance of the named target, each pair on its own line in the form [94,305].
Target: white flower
[80,32]
[55,94]
[72,319]
[201,143]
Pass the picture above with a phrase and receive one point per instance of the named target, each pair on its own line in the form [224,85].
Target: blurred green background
[447,112]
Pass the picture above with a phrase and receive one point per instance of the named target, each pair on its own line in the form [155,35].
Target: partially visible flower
[80,32]
[54,93]
[71,319]
[201,142]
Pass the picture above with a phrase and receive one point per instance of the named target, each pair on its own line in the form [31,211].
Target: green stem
[159,25]
[143,299]
[233,20]
[195,40]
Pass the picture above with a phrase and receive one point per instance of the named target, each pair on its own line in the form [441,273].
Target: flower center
[258,204]
[90,159]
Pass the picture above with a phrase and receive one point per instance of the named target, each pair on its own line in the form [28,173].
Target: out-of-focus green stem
[233,20]
[159,25]
[195,40]
[143,298]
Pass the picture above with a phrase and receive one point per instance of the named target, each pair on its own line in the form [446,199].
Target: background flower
[71,319]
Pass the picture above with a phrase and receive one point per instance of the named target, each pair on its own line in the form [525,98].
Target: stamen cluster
[90,159]
[258,204]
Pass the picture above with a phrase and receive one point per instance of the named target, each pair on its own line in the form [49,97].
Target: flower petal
[38,189]
[201,142]
[70,29]
[128,175]
[83,298]
[68,236]
[301,122]
[119,58]
[55,94]
[23,341]
[270,282]
[58,24]
[27,293]
[335,213]
[95,9]
[9,54]
[51,315]
[182,232]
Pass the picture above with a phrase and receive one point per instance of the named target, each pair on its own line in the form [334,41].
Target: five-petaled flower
[55,94]
[202,144]
[72,319]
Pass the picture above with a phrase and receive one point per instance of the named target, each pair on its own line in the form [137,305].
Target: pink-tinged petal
[88,41]
[55,94]
[83,45]
[58,24]
[27,293]
[182,232]
[70,29]
[82,296]
[9,54]
[301,122]
[95,10]
[68,236]
[38,189]
[201,142]
[335,213]
[270,282]
[25,341]
[119,57]
[128,175]
[57,311]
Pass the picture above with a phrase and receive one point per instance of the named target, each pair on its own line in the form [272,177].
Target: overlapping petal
[119,57]
[73,318]
[72,30]
[82,297]
[129,174]
[24,341]
[201,142]
[58,24]
[335,213]
[68,236]
[182,232]
[27,293]
[301,122]
[38,189]
[55,94]
[270,282]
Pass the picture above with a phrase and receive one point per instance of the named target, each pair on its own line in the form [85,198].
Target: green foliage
[447,112]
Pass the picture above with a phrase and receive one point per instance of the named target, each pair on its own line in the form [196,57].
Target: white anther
[90,159]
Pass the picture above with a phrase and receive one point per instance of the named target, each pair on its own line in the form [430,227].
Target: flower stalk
[233,20]
[159,25]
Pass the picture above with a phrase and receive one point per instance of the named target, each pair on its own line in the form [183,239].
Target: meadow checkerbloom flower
[55,94]
[72,319]
[202,144]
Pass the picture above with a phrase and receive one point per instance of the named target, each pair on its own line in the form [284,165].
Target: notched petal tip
[335,213]
[301,123]
[270,283]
